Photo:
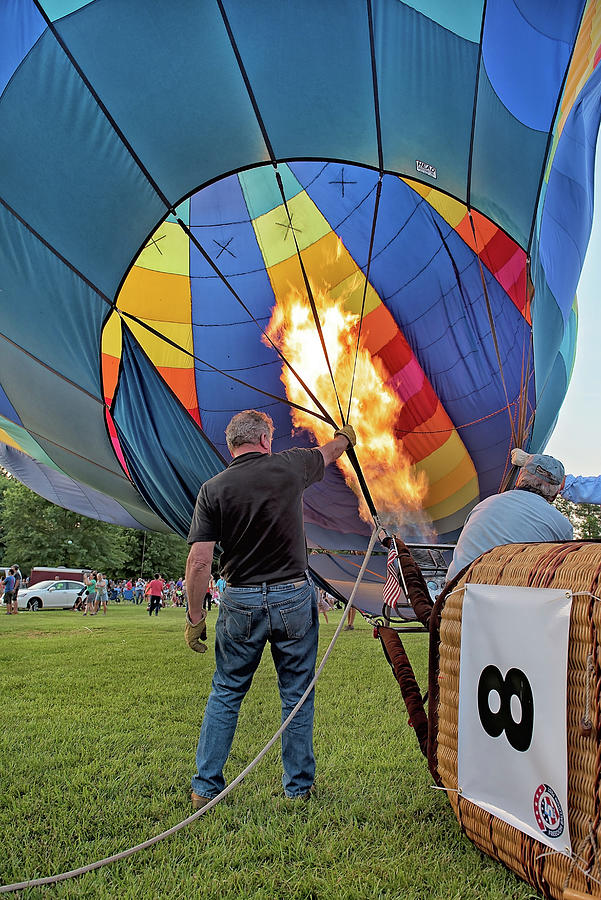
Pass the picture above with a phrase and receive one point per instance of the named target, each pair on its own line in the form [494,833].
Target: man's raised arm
[343,439]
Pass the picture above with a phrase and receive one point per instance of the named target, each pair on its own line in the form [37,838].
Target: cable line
[493,330]
[325,417]
[371,247]
[309,291]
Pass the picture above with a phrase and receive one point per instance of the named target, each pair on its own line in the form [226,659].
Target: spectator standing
[207,603]
[323,605]
[154,589]
[9,589]
[139,591]
[101,593]
[18,581]
[179,592]
[90,583]
[350,622]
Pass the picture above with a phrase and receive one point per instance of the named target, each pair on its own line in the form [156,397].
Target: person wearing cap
[575,488]
[520,516]
[254,508]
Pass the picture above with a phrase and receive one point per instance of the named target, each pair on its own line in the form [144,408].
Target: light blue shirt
[515,517]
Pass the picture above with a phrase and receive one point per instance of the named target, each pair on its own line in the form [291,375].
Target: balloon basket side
[572,566]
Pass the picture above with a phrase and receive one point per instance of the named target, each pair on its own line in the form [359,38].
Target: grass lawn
[98,733]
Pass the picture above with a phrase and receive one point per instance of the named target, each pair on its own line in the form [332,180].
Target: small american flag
[392,589]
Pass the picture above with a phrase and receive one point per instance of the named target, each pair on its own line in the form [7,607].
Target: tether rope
[124,854]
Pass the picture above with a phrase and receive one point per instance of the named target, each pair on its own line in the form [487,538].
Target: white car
[49,595]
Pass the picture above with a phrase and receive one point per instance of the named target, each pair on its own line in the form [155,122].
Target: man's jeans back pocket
[237,622]
[297,617]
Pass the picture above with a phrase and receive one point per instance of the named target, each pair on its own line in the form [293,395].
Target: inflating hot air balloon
[363,209]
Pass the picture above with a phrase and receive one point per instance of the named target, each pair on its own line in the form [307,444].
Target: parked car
[49,595]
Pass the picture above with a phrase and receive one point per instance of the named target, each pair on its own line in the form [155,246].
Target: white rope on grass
[74,873]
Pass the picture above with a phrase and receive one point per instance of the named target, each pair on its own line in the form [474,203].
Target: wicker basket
[575,566]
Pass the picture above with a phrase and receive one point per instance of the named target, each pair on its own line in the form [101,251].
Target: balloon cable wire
[164,199]
[192,237]
[369,257]
[73,873]
[265,134]
[378,124]
[493,331]
[325,416]
[309,290]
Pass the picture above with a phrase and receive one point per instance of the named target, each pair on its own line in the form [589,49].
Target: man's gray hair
[526,481]
[247,427]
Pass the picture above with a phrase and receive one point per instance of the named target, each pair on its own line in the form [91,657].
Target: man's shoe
[199,801]
[302,798]
[349,628]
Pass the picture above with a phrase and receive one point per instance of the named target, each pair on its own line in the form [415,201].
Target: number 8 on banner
[515,684]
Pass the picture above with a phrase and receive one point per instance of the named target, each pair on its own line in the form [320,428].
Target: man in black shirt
[254,510]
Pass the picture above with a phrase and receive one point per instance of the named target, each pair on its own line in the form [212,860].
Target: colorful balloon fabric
[171,173]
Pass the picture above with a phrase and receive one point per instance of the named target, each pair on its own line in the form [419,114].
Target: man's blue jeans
[286,615]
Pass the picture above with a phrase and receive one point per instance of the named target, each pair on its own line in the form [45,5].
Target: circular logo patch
[548,811]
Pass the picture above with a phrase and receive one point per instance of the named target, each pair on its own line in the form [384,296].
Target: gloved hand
[349,433]
[519,457]
[195,634]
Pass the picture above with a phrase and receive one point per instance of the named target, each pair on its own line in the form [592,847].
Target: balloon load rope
[74,873]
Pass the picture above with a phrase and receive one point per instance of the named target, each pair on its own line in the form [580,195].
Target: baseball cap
[547,468]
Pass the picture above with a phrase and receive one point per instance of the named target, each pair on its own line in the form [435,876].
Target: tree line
[585,518]
[35,532]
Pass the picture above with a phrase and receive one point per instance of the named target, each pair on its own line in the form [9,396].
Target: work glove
[349,433]
[519,457]
[195,634]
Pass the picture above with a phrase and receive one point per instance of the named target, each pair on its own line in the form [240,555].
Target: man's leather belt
[293,582]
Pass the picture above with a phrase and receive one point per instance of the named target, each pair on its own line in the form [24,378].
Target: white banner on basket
[512,744]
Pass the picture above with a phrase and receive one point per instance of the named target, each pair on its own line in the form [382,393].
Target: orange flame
[396,488]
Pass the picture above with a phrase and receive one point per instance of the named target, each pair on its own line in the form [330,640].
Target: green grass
[98,733]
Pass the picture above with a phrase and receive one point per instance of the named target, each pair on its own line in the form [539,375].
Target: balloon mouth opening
[241,256]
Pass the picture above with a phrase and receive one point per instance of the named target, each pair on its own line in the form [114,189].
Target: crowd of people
[156,593]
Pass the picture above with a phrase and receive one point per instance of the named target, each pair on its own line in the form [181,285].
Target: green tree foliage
[149,552]
[36,532]
[585,518]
